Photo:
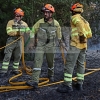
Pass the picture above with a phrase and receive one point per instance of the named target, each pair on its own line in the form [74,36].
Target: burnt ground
[91,84]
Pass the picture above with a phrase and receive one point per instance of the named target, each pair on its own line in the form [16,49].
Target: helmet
[19,11]
[48,7]
[77,7]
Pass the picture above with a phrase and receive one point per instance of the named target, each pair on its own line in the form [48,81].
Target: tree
[32,10]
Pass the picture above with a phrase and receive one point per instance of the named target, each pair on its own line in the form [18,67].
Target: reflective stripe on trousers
[37,69]
[80,76]
[74,55]
[67,77]
[5,66]
[16,66]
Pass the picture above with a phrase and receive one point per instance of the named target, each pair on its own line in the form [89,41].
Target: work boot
[78,87]
[51,79]
[32,83]
[64,88]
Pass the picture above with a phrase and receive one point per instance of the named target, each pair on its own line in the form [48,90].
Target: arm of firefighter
[88,29]
[83,30]
[24,29]
[34,31]
[33,39]
[31,44]
[78,23]
[80,27]
[61,43]
[10,30]
[59,34]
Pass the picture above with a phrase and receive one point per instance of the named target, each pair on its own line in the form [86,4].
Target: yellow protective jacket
[79,27]
[13,31]
[36,26]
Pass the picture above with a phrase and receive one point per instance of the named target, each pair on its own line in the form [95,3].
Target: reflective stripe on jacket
[79,27]
[36,27]
[12,28]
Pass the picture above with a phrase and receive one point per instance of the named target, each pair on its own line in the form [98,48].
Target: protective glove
[61,43]
[31,46]
[18,33]
[35,42]
[82,39]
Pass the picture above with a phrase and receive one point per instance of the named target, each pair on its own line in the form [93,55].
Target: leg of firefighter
[37,67]
[17,57]
[85,62]
[80,69]
[71,60]
[50,61]
[8,53]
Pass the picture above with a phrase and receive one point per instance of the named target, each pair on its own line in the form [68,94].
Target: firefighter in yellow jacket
[80,32]
[46,29]
[15,28]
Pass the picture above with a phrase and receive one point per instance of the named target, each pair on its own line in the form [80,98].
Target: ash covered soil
[91,83]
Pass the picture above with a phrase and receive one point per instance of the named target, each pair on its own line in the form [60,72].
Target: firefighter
[15,28]
[46,31]
[80,32]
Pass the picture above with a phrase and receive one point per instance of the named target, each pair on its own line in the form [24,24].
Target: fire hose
[22,85]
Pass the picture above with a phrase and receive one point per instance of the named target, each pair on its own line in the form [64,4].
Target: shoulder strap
[83,20]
